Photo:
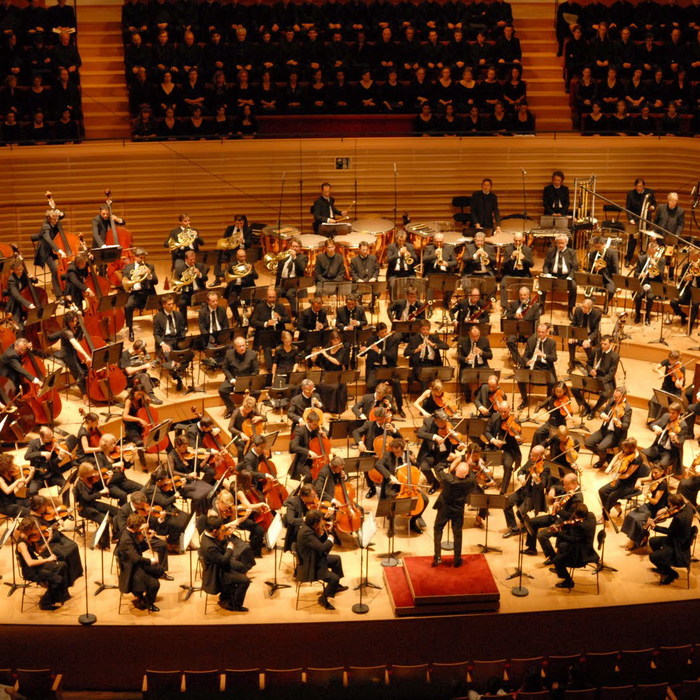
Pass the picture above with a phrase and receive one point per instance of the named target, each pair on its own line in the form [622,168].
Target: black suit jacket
[591,322]
[343,316]
[416,340]
[612,264]
[484,209]
[308,318]
[148,286]
[555,200]
[299,404]
[364,270]
[199,283]
[15,300]
[392,257]
[160,325]
[508,267]
[569,258]
[608,365]
[322,210]
[262,314]
[389,349]
[329,269]
[679,535]
[179,253]
[549,348]
[237,366]
[46,247]
[464,346]
[204,319]
[575,543]
[532,314]
[131,559]
[471,266]
[430,257]
[312,551]
[300,263]
[217,558]
[398,306]
[11,366]
[100,227]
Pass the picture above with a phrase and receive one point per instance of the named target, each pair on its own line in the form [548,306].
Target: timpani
[349,246]
[274,240]
[312,244]
[377,229]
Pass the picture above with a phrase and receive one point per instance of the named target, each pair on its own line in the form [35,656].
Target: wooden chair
[39,683]
[298,579]
[161,685]
[242,683]
[517,668]
[201,684]
[367,681]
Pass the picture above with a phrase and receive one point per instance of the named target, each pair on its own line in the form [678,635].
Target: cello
[409,476]
[117,235]
[348,517]
[46,407]
[150,415]
[222,462]
[275,493]
[69,243]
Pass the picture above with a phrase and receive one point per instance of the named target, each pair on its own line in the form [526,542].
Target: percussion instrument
[511,226]
[312,244]
[349,246]
[274,240]
[379,229]
[420,233]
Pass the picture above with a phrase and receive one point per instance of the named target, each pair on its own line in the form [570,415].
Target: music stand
[208,257]
[390,508]
[364,538]
[629,284]
[157,433]
[567,333]
[406,327]
[485,283]
[445,283]
[551,285]
[386,374]
[7,535]
[338,377]
[187,536]
[520,591]
[315,339]
[587,279]
[519,328]
[590,385]
[47,386]
[101,585]
[343,430]
[41,313]
[487,501]
[272,536]
[253,384]
[531,377]
[664,399]
[109,304]
[665,292]
[296,378]
[103,358]
[428,374]
[477,376]
[297,283]
[338,289]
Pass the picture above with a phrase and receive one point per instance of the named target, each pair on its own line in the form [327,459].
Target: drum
[380,229]
[512,226]
[420,234]
[274,240]
[312,244]
[349,246]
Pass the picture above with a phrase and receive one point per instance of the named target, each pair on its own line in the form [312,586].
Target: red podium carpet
[416,588]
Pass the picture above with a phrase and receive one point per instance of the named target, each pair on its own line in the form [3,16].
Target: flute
[318,352]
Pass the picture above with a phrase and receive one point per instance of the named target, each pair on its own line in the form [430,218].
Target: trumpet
[483,256]
[406,255]
[184,239]
[238,271]
[138,274]
[519,257]
[189,275]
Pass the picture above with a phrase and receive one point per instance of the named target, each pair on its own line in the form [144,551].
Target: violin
[449,433]
[568,447]
[510,426]
[663,514]
[561,403]
[94,434]
[535,471]
[495,397]
[621,465]
[558,527]
[223,462]
[447,406]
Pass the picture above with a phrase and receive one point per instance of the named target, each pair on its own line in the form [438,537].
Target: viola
[223,461]
[663,514]
[495,397]
[568,448]
[449,433]
[51,513]
[574,520]
[447,406]
[535,471]
[561,403]
[510,426]
[117,235]
[150,415]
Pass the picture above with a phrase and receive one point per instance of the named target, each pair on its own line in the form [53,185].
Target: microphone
[284,175]
[693,191]
[524,172]
[394,168]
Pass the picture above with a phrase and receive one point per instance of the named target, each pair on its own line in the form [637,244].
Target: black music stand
[445,283]
[520,591]
[665,292]
[487,501]
[297,283]
[376,289]
[587,279]
[551,285]
[477,376]
[102,358]
[47,386]
[583,383]
[357,465]
[338,377]
[517,328]
[338,289]
[390,508]
[664,399]
[101,585]
[296,378]
[566,333]
[343,430]
[531,377]
[364,539]
[252,384]
[315,339]
[157,433]
[108,305]
[272,536]
[629,284]
[472,427]
[41,313]
[428,374]
[486,284]
[406,327]
[388,374]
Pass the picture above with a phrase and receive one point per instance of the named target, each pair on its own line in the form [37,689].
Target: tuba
[238,271]
[184,239]
[189,275]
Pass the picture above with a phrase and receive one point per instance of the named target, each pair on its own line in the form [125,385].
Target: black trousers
[136,300]
[689,488]
[661,555]
[600,442]
[332,574]
[456,517]
[145,582]
[610,495]
[234,585]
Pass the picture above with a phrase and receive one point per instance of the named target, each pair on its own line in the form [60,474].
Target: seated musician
[256,456]
[103,223]
[285,358]
[160,489]
[292,267]
[478,259]
[324,210]
[649,268]
[616,415]
[351,316]
[88,436]
[555,196]
[16,305]
[503,432]
[314,317]
[138,503]
[11,363]
[189,268]
[47,252]
[671,432]
[296,508]
[39,564]
[561,262]
[87,494]
[407,309]
[239,276]
[585,316]
[473,351]
[575,544]
[401,257]
[135,425]
[625,468]
[439,259]
[113,460]
[434,398]
[212,319]
[13,486]
[250,498]
[225,508]
[307,398]
[240,233]
[561,498]
[673,548]
[269,319]
[518,261]
[457,483]
[382,350]
[605,263]
[222,573]
[334,358]
[488,396]
[239,362]
[533,480]
[672,373]
[245,418]
[364,268]
[602,365]
[471,309]
[302,435]
[135,363]
[540,354]
[138,572]
[139,291]
[525,308]
[169,331]
[436,446]
[635,524]
[49,460]
[366,435]
[560,406]
[688,279]
[423,350]
[689,485]
[196,467]
[72,353]
[379,397]
[329,267]
[178,239]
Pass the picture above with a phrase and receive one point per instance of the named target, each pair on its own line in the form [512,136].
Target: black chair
[601,668]
[693,537]
[593,560]
[201,684]
[462,202]
[673,663]
[635,666]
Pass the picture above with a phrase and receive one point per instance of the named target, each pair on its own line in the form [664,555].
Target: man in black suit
[555,196]
[408,308]
[687,281]
[585,316]
[314,317]
[299,446]
[434,449]
[242,235]
[450,504]
[616,416]
[351,316]
[473,351]
[314,559]
[189,266]
[561,262]
[602,365]
[308,397]
[518,261]
[364,268]
[423,350]
[169,331]
[212,319]
[47,462]
[269,320]
[11,364]
[324,210]
[540,354]
[644,267]
[237,284]
[17,306]
[484,208]
[575,545]
[606,264]
[397,255]
[47,251]
[524,308]
[471,309]
[329,267]
[503,440]
[296,508]
[384,354]
[439,259]
[667,448]
[239,362]
[673,549]
[634,202]
[178,246]
[139,292]
[670,218]
[75,288]
[379,397]
[479,258]
[292,267]
[101,224]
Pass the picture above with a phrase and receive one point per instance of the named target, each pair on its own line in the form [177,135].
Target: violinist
[435,398]
[189,268]
[616,415]
[246,416]
[75,289]
[239,362]
[17,306]
[225,507]
[625,470]
[299,445]
[575,544]
[540,354]
[178,243]
[525,308]
[65,549]
[562,499]
[269,319]
[561,262]
[649,268]
[563,447]
[672,373]
[238,282]
[483,476]
[479,258]
[401,257]
[134,425]
[140,289]
[169,330]
[504,433]
[585,316]
[602,365]
[101,224]
[688,279]
[49,460]
[438,443]
[72,353]
[162,489]
[138,568]
[472,309]
[138,504]
[635,523]
[307,398]
[135,363]
[222,573]
[534,480]
[423,350]
[561,407]
[334,358]
[39,564]
[88,436]
[382,350]
[313,318]
[689,485]
[456,486]
[285,359]
[407,309]
[13,487]
[87,492]
[671,431]
[673,548]
[296,508]
[11,363]
[380,397]
[113,459]
[489,395]
[292,267]
[253,501]
[47,251]
[197,471]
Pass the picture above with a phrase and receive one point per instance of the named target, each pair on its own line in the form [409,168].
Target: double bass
[117,235]
[47,406]
[69,243]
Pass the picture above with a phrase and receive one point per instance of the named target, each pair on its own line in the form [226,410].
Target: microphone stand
[279,209]
[396,196]
[87,618]
[524,173]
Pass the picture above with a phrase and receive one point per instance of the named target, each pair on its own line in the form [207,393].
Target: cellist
[252,459]
[299,446]
[11,363]
[259,517]
[72,353]
[47,252]
[17,306]
[247,411]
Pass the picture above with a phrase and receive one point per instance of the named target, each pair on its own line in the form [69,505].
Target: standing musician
[575,544]
[481,475]
[222,573]
[47,251]
[473,351]
[504,433]
[103,223]
[602,365]
[561,262]
[456,486]
[237,282]
[329,267]
[603,260]
[534,480]
[401,257]
[672,371]
[113,459]
[561,407]
[625,470]
[138,503]
[423,350]
[17,306]
[13,487]
[649,268]
[471,309]
[11,363]
[292,267]
[383,351]
[212,319]
[134,425]
[635,524]
[616,417]
[555,196]
[135,363]
[87,492]
[138,574]
[635,203]
[688,279]
[188,268]
[324,210]
[489,395]
[407,309]
[269,320]
[435,448]
[161,491]
[307,398]
[484,208]
[525,308]
[540,354]
[351,316]
[585,316]
[296,508]
[479,258]
[673,549]
[562,500]
[49,460]
[182,238]
[169,330]
[139,279]
[239,362]
[313,318]
[671,432]
[518,261]
[72,353]
[670,218]
[245,416]
[241,235]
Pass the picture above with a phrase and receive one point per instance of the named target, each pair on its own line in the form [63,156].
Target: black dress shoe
[457,563]
[547,561]
[155,400]
[522,406]
[436,562]
[48,606]
[371,493]
[566,583]
[239,608]
[228,414]
[179,386]
[167,577]
[511,533]
[416,529]
[432,489]
[647,322]
[324,603]
[131,335]
[401,413]
[153,608]
[529,551]
[340,589]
